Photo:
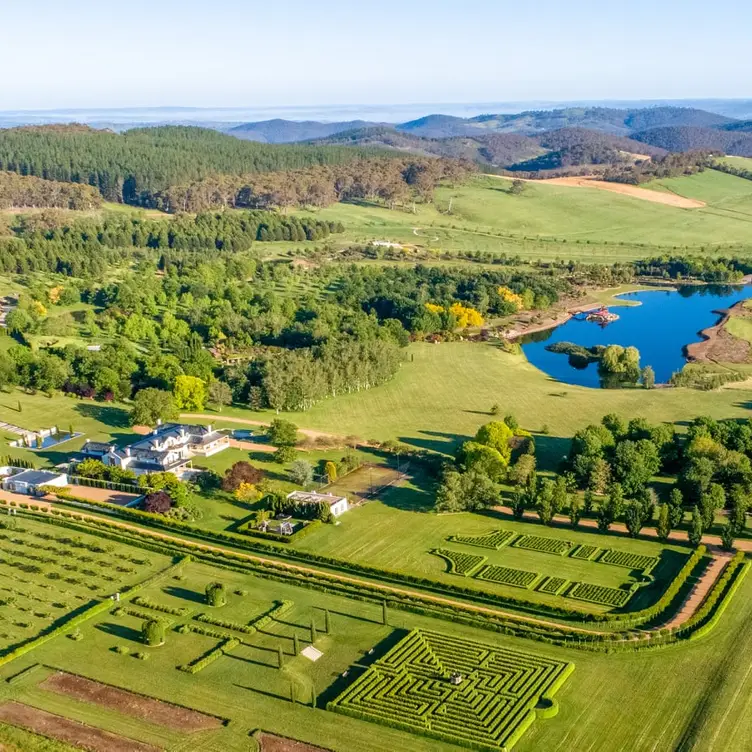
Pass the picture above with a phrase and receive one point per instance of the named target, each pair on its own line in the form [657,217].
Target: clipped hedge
[139,600]
[74,621]
[195,666]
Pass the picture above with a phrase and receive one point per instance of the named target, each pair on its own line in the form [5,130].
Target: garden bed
[128,703]
[66,730]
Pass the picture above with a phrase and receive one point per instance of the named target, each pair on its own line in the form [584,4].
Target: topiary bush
[216,594]
[153,632]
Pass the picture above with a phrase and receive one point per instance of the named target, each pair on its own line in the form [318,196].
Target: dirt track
[634,191]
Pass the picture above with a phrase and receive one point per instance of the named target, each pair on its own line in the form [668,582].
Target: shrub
[240,473]
[158,502]
[216,594]
[153,632]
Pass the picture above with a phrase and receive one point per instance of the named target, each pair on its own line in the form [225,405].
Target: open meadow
[555,221]
[439,398]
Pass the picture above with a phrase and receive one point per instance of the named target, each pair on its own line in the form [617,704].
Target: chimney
[208,428]
[127,451]
[159,421]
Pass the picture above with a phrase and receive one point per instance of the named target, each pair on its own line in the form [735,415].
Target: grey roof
[34,477]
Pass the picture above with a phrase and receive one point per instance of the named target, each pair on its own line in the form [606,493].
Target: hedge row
[110,485]
[733,573]
[53,632]
[139,600]
[243,542]
[202,630]
[195,666]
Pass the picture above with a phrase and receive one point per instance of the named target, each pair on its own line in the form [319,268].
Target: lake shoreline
[715,338]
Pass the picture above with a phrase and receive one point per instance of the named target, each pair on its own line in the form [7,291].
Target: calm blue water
[659,328]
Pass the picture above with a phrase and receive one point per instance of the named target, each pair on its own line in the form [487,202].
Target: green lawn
[439,398]
[444,392]
[740,327]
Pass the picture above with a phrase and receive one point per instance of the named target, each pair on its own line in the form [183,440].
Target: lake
[660,327]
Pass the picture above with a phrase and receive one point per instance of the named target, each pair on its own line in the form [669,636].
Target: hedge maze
[459,562]
[495,540]
[544,544]
[520,578]
[497,695]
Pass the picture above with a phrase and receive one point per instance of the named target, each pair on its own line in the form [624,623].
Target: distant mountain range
[533,140]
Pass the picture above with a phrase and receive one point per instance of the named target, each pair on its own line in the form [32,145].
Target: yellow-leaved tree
[466,316]
[510,296]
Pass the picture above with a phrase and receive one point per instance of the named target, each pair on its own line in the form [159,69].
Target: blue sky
[87,53]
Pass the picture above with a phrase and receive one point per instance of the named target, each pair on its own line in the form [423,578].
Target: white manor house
[167,449]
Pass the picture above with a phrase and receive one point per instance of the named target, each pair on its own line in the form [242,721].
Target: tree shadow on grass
[407,499]
[263,692]
[436,441]
[360,665]
[109,415]
[120,630]
[185,594]
[550,450]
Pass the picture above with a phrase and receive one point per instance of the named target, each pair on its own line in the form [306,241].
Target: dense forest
[20,191]
[685,138]
[390,181]
[133,166]
[88,247]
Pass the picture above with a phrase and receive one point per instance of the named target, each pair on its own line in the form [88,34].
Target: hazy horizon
[75,55]
[385,112]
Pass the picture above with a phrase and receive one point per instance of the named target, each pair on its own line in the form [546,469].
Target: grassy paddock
[549,221]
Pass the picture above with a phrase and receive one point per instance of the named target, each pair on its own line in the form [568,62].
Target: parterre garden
[472,565]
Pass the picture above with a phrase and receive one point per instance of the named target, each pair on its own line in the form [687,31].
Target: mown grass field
[439,398]
[691,696]
[444,392]
[554,221]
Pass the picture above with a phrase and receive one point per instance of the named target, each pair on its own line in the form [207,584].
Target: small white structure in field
[29,481]
[338,504]
[312,653]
